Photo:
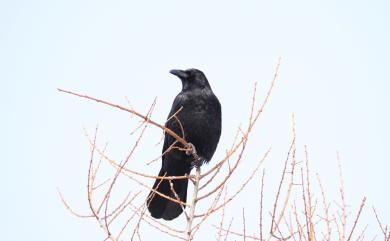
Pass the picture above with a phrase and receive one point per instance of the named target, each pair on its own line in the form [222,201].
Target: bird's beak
[179,73]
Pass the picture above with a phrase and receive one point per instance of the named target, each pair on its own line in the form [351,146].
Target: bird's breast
[201,121]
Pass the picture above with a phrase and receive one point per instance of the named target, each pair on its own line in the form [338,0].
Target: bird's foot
[197,162]
[191,150]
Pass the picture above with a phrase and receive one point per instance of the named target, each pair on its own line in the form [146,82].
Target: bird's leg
[191,151]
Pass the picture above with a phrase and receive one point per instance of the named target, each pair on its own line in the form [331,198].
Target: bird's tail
[161,207]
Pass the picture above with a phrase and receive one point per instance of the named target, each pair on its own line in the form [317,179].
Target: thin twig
[243,224]
[146,119]
[357,218]
[261,206]
[222,218]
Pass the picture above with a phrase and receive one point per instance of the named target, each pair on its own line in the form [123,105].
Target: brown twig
[273,222]
[384,229]
[243,224]
[343,202]
[357,218]
[326,210]
[241,187]
[222,218]
[310,205]
[230,225]
[291,182]
[146,119]
[70,209]
[261,206]
[208,212]
[90,185]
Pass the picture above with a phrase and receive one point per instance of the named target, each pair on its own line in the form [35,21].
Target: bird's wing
[172,122]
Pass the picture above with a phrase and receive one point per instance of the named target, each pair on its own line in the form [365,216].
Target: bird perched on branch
[196,117]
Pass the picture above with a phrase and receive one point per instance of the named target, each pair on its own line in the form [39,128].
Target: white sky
[334,77]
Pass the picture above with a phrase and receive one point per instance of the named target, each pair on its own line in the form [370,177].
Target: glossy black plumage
[199,122]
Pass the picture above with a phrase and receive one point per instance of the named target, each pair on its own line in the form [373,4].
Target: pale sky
[334,76]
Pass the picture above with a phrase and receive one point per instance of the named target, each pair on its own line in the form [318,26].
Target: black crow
[199,123]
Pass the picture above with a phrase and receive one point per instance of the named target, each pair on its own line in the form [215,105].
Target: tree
[289,220]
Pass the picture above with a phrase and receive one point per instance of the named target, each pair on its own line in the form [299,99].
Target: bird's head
[191,79]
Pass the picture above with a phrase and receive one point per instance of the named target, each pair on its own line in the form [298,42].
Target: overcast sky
[334,76]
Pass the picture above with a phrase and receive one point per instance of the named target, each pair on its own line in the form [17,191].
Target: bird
[195,116]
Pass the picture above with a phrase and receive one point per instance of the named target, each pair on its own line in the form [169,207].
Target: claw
[191,150]
[197,162]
